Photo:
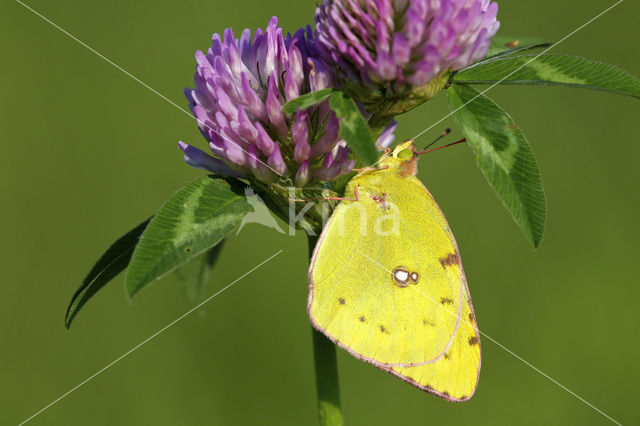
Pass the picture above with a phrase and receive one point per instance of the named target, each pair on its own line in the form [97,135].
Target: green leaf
[507,45]
[194,219]
[504,156]
[308,100]
[559,70]
[110,264]
[195,273]
[353,127]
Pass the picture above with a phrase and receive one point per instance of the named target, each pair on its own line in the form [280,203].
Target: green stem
[326,363]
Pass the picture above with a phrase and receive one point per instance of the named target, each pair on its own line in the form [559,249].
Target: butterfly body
[387,285]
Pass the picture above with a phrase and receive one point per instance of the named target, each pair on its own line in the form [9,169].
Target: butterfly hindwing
[454,376]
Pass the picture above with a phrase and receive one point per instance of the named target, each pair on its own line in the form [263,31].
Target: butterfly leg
[383,148]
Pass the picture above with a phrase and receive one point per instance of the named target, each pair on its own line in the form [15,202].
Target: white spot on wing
[401,275]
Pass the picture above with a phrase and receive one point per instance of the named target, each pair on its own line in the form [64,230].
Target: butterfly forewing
[387,297]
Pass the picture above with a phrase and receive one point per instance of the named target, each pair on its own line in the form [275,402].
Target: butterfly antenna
[445,133]
[441,147]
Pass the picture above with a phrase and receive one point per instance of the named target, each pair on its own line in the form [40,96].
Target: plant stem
[326,366]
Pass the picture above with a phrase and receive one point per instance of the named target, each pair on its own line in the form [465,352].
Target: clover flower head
[241,86]
[394,54]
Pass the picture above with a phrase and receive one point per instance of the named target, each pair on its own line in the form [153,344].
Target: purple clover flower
[240,88]
[394,54]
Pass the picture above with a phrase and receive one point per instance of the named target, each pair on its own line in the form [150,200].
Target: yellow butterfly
[387,285]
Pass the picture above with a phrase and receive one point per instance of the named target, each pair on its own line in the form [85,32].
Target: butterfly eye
[404,150]
[405,153]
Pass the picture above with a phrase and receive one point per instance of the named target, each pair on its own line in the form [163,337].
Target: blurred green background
[87,153]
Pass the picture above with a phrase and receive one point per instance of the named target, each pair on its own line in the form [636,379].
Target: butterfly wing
[386,283]
[455,375]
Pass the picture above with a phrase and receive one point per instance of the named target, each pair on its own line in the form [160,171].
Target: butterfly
[387,285]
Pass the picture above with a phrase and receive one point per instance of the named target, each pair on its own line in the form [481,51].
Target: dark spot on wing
[450,260]
[362,318]
[425,322]
[445,393]
[446,301]
[473,340]
[381,200]
[341,301]
[472,318]
[383,330]
[447,356]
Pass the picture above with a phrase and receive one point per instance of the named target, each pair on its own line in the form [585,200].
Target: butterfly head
[403,158]
[405,150]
